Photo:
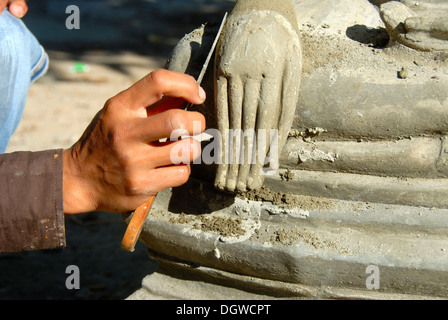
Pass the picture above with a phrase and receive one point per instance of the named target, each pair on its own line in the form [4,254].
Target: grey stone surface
[325,246]
[411,157]
[430,193]
[184,282]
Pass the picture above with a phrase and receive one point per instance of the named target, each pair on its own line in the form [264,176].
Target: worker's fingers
[223,125]
[153,87]
[251,98]
[145,183]
[171,176]
[166,103]
[180,152]
[143,167]
[139,159]
[170,124]
[18,8]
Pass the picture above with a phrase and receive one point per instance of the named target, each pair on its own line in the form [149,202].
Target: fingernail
[202,94]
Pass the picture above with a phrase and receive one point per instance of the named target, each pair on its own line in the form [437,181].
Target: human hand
[258,72]
[17,8]
[118,163]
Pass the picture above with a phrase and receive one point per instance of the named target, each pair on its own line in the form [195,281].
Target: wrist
[285,8]
[77,194]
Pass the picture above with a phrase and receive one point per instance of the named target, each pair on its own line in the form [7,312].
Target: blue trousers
[22,61]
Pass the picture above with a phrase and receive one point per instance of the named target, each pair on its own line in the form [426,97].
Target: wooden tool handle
[136,224]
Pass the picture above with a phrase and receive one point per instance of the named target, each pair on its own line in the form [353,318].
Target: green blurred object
[79,67]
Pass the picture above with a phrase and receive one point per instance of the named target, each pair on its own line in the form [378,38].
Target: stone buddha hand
[257,78]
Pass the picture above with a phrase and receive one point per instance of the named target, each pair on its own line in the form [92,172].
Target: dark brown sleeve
[31,204]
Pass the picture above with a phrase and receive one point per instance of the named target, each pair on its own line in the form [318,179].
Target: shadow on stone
[376,38]
[198,198]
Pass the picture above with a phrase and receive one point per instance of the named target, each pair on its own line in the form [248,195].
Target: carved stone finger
[250,102]
[222,111]
[267,119]
[235,93]
[290,95]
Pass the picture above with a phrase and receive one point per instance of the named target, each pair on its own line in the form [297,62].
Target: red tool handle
[135,226]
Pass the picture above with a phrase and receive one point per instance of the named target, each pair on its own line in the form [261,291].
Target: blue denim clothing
[22,61]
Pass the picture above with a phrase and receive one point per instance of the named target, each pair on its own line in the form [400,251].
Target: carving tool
[138,218]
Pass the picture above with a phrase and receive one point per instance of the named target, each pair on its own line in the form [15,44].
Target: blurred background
[144,26]
[119,41]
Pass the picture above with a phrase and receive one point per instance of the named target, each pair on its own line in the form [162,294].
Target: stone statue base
[183,282]
[292,246]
